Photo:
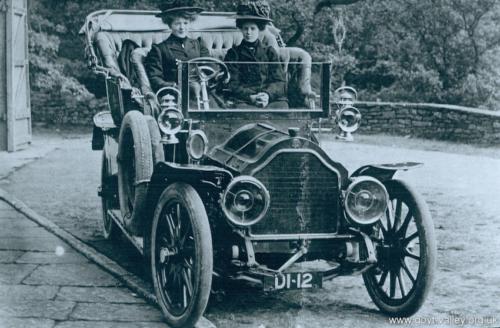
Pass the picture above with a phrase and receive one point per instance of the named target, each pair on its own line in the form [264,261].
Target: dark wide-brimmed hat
[169,7]
[258,10]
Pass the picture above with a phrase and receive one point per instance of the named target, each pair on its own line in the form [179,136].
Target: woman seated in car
[259,81]
[161,61]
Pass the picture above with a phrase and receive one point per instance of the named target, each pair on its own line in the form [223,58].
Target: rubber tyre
[156,145]
[158,156]
[135,167]
[110,230]
[202,261]
[410,304]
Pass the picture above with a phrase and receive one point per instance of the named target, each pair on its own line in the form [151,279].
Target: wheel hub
[167,252]
[390,254]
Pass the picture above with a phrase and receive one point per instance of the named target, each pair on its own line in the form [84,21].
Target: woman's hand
[260,99]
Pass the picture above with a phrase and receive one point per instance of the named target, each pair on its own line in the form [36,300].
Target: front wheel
[406,252]
[181,255]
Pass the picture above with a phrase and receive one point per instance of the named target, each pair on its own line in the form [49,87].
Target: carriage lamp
[168,97]
[365,201]
[197,145]
[346,116]
[170,122]
[168,101]
[245,201]
[345,96]
[348,119]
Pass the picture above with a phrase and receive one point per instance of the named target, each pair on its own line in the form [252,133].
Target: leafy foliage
[396,50]
[47,70]
[426,51]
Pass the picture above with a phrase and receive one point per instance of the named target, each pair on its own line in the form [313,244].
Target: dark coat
[249,79]
[125,63]
[160,62]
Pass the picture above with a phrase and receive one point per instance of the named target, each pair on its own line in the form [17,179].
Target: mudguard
[384,172]
[102,122]
[97,138]
[204,178]
[191,174]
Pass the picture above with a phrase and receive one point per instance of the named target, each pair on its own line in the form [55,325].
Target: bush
[395,50]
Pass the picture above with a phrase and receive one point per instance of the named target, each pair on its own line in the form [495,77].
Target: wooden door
[18,91]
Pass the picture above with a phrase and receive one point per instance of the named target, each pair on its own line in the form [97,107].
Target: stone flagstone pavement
[44,283]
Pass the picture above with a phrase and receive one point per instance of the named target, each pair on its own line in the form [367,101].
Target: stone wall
[431,121]
[443,122]
[63,108]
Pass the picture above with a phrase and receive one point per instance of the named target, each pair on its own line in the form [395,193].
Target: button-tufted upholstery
[109,44]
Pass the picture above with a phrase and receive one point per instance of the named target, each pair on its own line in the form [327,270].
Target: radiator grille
[304,195]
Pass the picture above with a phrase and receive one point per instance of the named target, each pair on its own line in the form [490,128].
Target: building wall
[3,83]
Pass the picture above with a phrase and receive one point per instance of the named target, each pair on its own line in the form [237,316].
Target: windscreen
[212,85]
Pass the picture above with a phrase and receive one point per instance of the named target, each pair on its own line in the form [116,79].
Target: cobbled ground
[461,188]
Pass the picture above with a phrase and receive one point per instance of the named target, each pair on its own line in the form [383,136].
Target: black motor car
[246,194]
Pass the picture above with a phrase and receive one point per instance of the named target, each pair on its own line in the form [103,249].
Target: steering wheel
[207,74]
[208,71]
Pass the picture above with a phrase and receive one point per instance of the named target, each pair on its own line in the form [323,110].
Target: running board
[138,242]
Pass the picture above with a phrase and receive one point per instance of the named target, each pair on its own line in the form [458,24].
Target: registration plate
[294,280]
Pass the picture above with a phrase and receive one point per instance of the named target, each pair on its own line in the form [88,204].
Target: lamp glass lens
[366,201]
[245,202]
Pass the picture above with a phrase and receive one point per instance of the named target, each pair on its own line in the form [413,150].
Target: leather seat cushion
[109,44]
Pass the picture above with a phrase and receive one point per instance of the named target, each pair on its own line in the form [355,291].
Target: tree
[410,50]
[329,3]
[428,50]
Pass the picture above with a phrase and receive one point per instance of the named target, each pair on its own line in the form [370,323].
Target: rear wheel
[158,156]
[135,167]
[181,255]
[406,252]
[156,145]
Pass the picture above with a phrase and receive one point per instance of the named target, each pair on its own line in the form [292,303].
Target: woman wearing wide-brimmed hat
[258,82]
[160,63]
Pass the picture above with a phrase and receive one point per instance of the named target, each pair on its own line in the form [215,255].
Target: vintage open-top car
[245,194]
